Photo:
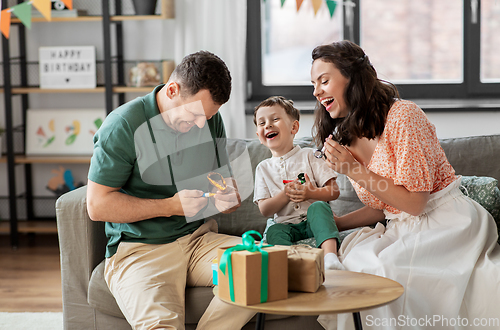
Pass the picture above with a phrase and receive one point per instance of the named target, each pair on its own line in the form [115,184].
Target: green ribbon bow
[248,245]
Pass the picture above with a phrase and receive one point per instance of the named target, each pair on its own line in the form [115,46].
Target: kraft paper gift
[306,268]
[241,277]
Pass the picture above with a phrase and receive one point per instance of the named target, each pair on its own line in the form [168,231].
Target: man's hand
[190,201]
[229,200]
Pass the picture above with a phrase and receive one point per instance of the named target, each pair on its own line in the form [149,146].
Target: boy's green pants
[319,224]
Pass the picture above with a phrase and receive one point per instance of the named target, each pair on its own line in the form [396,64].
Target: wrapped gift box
[306,268]
[247,268]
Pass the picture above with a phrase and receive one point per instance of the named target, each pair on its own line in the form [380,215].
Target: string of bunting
[316,4]
[23,12]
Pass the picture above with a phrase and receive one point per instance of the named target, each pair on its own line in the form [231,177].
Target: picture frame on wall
[61,131]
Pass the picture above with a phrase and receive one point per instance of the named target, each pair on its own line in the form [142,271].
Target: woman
[440,245]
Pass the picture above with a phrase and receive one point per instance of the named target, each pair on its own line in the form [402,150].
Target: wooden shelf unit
[52,159]
[33,225]
[116,89]
[167,12]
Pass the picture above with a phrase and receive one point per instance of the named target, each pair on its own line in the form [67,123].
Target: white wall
[457,124]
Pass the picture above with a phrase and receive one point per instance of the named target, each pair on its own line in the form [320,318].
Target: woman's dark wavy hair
[368,98]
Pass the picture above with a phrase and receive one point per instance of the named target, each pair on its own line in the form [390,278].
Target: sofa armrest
[82,244]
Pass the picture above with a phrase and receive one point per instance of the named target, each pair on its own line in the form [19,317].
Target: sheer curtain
[218,26]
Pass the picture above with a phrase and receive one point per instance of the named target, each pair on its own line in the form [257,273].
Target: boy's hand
[298,192]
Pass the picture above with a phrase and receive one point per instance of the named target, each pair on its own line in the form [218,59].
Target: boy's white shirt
[271,172]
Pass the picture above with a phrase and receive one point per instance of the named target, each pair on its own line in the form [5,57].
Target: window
[428,48]
[490,41]
[288,36]
[280,39]
[414,41]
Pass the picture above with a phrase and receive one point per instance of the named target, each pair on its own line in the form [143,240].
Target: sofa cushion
[248,216]
[475,155]
[348,200]
[99,296]
[483,190]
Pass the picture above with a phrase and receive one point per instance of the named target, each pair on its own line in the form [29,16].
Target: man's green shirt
[134,149]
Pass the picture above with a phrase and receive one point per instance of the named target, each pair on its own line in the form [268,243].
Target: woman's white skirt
[447,259]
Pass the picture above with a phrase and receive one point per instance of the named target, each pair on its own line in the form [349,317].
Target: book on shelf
[61,13]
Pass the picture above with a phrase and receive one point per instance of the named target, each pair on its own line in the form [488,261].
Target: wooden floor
[30,277]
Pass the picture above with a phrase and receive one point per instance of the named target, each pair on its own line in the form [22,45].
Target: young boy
[300,209]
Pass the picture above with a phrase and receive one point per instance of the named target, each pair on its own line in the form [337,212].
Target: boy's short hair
[290,110]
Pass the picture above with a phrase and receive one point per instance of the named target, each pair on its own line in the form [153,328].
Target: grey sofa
[87,302]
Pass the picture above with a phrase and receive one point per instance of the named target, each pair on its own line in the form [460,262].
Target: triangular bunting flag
[332,4]
[299,3]
[5,22]
[316,5]
[44,8]
[23,12]
[68,3]
[282,2]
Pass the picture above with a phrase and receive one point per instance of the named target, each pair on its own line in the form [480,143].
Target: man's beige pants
[148,281]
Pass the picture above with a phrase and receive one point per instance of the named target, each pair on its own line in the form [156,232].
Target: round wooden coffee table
[342,292]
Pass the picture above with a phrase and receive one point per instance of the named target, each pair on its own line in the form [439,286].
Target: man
[152,161]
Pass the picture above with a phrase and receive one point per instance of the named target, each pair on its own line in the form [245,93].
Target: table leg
[357,321]
[261,319]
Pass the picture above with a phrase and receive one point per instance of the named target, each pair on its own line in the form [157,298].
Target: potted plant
[144,7]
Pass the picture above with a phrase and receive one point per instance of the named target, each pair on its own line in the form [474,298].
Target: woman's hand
[339,158]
